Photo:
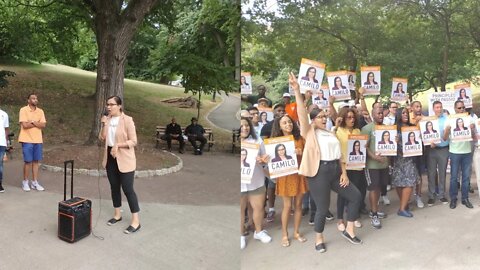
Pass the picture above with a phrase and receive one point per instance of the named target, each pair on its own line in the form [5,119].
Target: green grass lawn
[66,95]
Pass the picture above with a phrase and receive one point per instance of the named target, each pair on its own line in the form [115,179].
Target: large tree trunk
[115,27]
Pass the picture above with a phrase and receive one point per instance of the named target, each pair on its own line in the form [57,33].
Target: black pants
[356,178]
[326,179]
[118,179]
[169,138]
[193,140]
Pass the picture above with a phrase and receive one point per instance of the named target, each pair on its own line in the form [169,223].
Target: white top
[112,128]
[329,145]
[389,119]
[3,126]
[258,178]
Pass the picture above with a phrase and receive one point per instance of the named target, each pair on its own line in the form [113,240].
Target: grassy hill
[66,95]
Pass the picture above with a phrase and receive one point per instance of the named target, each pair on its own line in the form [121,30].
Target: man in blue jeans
[460,159]
[4,131]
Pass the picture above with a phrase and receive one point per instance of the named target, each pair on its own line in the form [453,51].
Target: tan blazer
[311,153]
[125,134]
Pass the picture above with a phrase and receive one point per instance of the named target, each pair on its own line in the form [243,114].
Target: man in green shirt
[460,159]
[376,171]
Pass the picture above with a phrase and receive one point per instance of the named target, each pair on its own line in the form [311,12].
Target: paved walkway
[188,221]
[436,237]
[224,116]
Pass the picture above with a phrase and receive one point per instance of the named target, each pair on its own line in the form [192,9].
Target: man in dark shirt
[278,111]
[195,133]
[174,131]
[252,99]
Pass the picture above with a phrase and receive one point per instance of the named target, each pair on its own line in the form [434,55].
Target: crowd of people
[321,146]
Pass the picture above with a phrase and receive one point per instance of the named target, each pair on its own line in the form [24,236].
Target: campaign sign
[265,115]
[248,159]
[463,92]
[430,130]
[460,127]
[320,98]
[447,99]
[283,160]
[338,84]
[310,75]
[352,79]
[246,83]
[371,80]
[411,142]
[399,90]
[385,144]
[356,151]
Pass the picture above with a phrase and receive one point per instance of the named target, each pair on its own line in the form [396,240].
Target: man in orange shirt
[290,107]
[32,121]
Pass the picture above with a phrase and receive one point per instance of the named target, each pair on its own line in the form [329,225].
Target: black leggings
[326,179]
[358,179]
[118,179]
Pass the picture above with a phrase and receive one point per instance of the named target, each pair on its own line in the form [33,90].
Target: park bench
[235,139]
[160,131]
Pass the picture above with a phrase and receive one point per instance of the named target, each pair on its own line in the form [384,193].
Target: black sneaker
[321,247]
[467,203]
[379,214]
[444,201]
[354,240]
[430,202]
[453,204]
[1,189]
[311,221]
[329,216]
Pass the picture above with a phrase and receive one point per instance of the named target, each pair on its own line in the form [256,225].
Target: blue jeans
[2,154]
[459,162]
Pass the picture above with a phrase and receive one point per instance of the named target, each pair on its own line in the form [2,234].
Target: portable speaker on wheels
[74,215]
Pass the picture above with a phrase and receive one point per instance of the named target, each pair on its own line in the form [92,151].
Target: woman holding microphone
[118,130]
[324,171]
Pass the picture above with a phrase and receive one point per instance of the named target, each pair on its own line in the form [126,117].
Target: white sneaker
[37,186]
[386,200]
[262,236]
[419,202]
[357,224]
[243,242]
[389,187]
[25,186]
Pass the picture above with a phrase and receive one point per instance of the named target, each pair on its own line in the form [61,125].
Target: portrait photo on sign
[385,140]
[399,90]
[283,160]
[371,79]
[352,78]
[338,84]
[411,142]
[320,98]
[356,154]
[460,127]
[464,93]
[248,159]
[265,115]
[429,129]
[310,75]
[246,83]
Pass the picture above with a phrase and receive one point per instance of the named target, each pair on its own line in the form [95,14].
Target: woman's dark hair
[426,126]
[252,130]
[460,119]
[314,112]
[118,100]
[368,75]
[343,114]
[414,139]
[276,150]
[310,68]
[383,134]
[399,84]
[277,131]
[246,152]
[355,143]
[398,119]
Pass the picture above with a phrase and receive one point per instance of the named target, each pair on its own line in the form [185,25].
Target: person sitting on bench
[195,133]
[174,131]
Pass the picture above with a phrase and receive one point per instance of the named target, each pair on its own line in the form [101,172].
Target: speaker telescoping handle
[65,180]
